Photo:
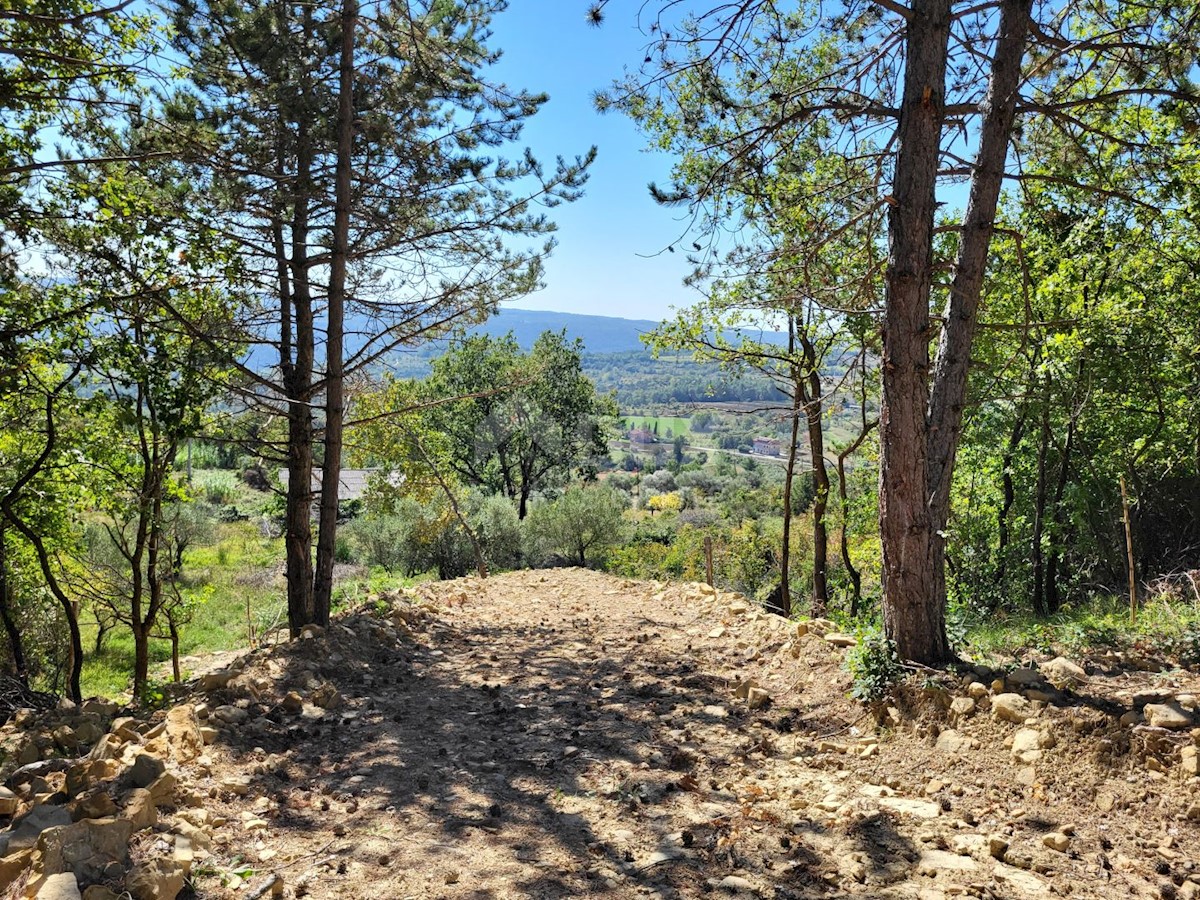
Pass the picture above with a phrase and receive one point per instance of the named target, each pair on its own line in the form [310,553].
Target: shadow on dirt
[484,738]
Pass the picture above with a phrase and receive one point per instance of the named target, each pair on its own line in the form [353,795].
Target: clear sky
[611,257]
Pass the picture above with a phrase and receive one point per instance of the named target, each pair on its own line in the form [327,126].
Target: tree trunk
[918,453]
[962,310]
[914,617]
[814,408]
[785,555]
[70,609]
[1039,512]
[1053,599]
[1010,496]
[174,632]
[331,467]
[15,645]
[141,660]
[298,378]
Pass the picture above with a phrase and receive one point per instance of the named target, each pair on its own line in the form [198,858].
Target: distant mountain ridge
[600,334]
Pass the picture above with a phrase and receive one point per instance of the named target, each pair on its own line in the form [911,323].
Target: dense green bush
[498,530]
[412,537]
[218,487]
[580,527]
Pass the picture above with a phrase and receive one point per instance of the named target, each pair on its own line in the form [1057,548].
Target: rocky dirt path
[568,734]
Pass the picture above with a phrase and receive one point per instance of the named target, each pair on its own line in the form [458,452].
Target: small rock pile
[101,807]
[77,822]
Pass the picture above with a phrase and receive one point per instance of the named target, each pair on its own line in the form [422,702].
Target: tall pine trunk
[919,429]
[298,384]
[914,616]
[331,467]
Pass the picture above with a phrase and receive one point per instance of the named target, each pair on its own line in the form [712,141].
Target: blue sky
[611,257]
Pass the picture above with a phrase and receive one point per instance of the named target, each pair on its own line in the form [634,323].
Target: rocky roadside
[567,733]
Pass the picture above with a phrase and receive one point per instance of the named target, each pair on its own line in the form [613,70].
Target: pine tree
[356,149]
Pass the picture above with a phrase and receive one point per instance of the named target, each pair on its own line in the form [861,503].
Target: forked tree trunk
[919,430]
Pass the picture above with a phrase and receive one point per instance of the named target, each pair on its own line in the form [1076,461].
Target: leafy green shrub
[230,513]
[415,537]
[580,527]
[387,540]
[218,487]
[498,530]
[875,666]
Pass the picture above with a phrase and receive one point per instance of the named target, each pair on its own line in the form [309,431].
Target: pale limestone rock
[1011,708]
[951,741]
[85,848]
[59,887]
[757,698]
[140,809]
[236,784]
[839,639]
[1063,674]
[1189,760]
[935,862]
[163,788]
[961,707]
[326,696]
[158,879]
[1168,715]
[96,804]
[1026,745]
[1056,840]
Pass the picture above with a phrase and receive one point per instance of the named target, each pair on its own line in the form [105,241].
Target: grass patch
[676,424]
[238,578]
[1162,627]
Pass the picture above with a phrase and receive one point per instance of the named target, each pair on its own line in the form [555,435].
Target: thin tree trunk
[814,409]
[1010,496]
[298,516]
[844,497]
[15,645]
[1053,599]
[173,629]
[785,556]
[1039,512]
[331,467]
[914,618]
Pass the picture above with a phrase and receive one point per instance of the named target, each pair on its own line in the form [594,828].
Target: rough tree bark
[331,466]
[949,388]
[298,384]
[913,617]
[920,429]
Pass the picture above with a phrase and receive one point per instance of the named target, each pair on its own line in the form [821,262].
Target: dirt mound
[566,733]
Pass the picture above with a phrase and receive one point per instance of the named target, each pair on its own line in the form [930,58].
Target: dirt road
[569,734]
